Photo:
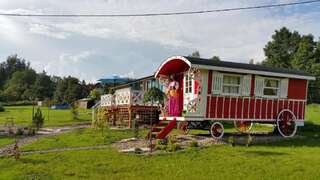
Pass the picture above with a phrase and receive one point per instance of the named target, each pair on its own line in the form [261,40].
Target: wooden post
[129,116]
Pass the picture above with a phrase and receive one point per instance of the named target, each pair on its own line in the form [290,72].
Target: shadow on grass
[307,136]
[32,161]
[264,153]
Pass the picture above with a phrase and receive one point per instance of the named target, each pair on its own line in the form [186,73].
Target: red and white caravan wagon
[214,91]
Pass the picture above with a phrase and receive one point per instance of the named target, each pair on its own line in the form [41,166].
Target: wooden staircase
[162,129]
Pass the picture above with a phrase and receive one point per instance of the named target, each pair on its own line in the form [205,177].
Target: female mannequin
[173,94]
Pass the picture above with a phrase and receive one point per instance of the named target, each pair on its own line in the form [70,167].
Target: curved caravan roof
[177,64]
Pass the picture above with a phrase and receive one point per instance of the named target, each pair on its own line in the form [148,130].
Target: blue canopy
[114,79]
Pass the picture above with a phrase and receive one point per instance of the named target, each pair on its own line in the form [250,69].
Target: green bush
[172,145]
[38,119]
[194,144]
[1,108]
[19,132]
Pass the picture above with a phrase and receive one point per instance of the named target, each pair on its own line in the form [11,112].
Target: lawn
[291,159]
[288,159]
[6,140]
[22,115]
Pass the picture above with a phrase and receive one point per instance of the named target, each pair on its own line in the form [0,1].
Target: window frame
[278,88]
[188,84]
[240,84]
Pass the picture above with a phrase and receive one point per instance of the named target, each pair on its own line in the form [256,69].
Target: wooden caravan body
[227,91]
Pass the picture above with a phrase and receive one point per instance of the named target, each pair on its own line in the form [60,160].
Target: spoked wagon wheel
[216,130]
[183,127]
[243,126]
[286,123]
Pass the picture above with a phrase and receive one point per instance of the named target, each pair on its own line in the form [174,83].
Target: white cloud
[235,36]
[48,31]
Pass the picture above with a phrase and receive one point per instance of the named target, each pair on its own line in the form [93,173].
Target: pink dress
[173,103]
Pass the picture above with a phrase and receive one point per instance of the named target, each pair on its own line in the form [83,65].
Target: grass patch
[78,138]
[23,116]
[313,113]
[221,162]
[288,159]
[6,140]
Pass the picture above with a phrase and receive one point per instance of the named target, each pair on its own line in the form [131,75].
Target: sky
[93,48]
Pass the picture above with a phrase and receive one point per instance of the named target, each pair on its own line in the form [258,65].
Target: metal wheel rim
[293,119]
[213,129]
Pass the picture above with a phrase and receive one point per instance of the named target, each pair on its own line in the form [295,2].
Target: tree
[68,90]
[305,55]
[294,51]
[95,94]
[1,108]
[280,50]
[19,86]
[215,58]
[195,54]
[10,66]
[251,61]
[38,119]
[154,94]
[43,87]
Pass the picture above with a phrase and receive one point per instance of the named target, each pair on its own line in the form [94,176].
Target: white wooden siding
[258,86]
[246,85]
[217,82]
[284,88]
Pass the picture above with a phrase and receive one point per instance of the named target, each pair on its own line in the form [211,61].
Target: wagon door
[188,90]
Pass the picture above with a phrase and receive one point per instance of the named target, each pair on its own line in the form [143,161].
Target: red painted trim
[253,109]
[166,130]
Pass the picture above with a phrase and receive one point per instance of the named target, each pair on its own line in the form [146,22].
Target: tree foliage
[95,94]
[68,90]
[215,58]
[19,86]
[154,94]
[292,50]
[19,82]
[195,54]
[10,66]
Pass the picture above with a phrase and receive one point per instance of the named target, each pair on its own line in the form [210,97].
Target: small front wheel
[217,130]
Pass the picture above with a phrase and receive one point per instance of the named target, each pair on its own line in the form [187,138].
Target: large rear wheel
[286,123]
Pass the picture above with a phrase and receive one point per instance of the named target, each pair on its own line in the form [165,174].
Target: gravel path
[43,132]
[59,150]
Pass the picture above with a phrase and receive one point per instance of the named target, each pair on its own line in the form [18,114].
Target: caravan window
[188,84]
[231,84]
[271,87]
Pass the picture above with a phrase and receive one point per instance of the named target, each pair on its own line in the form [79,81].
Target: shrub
[19,132]
[194,144]
[38,119]
[172,145]
[1,108]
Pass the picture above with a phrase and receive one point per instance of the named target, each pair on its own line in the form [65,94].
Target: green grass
[23,116]
[79,137]
[6,140]
[288,159]
[313,113]
[291,159]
